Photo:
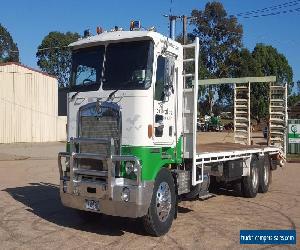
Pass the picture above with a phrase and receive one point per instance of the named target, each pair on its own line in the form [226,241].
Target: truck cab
[123,123]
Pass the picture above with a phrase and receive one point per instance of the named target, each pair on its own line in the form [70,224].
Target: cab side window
[160,79]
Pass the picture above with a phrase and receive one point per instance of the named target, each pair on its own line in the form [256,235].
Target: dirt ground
[31,214]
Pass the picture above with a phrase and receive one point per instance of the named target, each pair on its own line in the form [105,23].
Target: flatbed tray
[225,147]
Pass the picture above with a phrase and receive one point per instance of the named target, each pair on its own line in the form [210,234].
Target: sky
[30,21]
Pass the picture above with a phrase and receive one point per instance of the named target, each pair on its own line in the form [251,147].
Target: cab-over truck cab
[123,125]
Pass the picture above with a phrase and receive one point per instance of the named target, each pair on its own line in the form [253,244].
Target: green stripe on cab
[154,158]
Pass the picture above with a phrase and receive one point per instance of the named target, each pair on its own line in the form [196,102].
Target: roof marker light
[87,33]
[135,25]
[152,29]
[99,30]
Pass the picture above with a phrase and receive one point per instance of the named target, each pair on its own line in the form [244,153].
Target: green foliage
[246,65]
[54,56]
[267,61]
[8,48]
[295,97]
[220,38]
[271,62]
[262,107]
[222,55]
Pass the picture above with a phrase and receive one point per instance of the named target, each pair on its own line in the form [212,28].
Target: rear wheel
[162,207]
[265,175]
[250,183]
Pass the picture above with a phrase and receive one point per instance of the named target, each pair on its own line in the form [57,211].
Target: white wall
[28,107]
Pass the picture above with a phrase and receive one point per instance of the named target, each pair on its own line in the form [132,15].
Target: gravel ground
[31,215]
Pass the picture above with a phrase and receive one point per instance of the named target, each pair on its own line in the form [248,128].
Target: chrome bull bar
[111,159]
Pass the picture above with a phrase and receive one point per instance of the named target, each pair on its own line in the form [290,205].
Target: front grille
[99,121]
[98,127]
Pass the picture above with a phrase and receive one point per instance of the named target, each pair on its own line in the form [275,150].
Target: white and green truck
[132,132]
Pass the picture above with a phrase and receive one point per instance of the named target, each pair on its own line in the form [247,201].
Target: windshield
[128,65]
[87,67]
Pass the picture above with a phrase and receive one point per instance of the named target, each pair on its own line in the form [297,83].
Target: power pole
[172,26]
[173,20]
[184,29]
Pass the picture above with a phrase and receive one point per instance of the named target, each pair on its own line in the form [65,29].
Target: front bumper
[137,206]
[103,186]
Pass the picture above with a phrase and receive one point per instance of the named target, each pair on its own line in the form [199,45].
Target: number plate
[92,205]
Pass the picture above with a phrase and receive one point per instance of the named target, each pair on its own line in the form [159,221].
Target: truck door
[164,101]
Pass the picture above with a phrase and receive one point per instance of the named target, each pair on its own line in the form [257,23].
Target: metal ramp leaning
[278,116]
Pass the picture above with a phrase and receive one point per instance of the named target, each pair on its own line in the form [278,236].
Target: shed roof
[24,67]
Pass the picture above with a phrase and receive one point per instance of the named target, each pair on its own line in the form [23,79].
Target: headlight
[67,164]
[67,167]
[65,186]
[130,168]
[125,195]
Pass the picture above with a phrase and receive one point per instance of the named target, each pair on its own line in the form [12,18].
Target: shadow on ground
[234,189]
[43,200]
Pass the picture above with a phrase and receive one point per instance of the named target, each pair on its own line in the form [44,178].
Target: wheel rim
[163,201]
[266,175]
[254,177]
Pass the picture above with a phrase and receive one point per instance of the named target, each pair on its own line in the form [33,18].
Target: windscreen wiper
[111,95]
[73,96]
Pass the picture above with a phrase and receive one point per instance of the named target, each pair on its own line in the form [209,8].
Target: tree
[9,51]
[294,97]
[246,65]
[220,39]
[54,55]
[265,60]
[268,62]
[271,62]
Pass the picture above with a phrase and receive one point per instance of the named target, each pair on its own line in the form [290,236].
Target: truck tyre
[265,175]
[161,212]
[250,183]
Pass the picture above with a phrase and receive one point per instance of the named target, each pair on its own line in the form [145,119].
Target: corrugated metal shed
[28,106]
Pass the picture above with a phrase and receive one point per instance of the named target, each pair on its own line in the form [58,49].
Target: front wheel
[161,212]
